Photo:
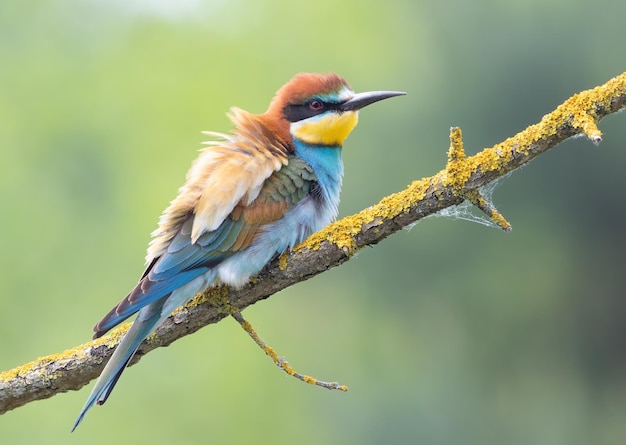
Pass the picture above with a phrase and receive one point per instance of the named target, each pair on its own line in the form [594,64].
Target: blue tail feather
[124,352]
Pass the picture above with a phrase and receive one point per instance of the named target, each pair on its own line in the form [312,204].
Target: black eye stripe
[298,112]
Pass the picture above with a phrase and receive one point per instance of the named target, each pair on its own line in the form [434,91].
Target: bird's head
[319,109]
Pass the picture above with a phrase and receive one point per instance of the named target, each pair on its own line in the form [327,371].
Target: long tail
[150,317]
[147,321]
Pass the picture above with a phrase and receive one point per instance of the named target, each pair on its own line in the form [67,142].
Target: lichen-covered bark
[460,180]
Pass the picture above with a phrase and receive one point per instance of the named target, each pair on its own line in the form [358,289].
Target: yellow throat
[327,129]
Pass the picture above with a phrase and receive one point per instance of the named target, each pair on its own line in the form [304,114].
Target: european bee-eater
[250,195]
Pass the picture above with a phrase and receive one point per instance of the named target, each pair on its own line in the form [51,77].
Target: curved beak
[361,100]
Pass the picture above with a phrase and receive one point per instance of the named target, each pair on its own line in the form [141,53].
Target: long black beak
[361,100]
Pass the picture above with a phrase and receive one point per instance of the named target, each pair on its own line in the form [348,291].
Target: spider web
[469,212]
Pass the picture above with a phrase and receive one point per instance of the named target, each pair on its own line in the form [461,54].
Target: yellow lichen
[217,295]
[310,380]
[342,233]
[500,220]
[282,261]
[458,170]
[77,353]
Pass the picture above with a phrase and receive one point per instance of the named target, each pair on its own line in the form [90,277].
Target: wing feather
[227,172]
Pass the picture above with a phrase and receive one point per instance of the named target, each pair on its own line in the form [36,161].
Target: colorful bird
[250,195]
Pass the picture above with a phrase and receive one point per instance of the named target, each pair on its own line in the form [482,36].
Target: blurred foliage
[450,333]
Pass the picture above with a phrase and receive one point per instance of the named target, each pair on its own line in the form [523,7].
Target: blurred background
[449,333]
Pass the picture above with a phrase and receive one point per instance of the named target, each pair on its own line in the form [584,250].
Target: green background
[451,333]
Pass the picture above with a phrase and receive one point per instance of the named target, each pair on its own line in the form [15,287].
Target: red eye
[316,105]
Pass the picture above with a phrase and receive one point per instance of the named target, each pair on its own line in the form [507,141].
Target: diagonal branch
[461,180]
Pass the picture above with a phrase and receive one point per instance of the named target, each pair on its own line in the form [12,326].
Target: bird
[250,195]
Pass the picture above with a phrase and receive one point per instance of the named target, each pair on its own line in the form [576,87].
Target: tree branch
[461,180]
